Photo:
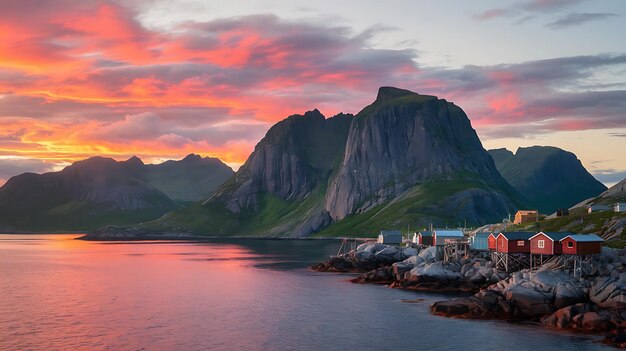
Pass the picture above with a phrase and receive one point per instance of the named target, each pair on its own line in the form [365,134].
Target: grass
[415,208]
[579,221]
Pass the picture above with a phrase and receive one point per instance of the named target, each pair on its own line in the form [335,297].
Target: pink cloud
[85,78]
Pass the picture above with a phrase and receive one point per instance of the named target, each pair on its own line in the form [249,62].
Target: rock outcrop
[404,139]
[414,268]
[554,298]
[368,257]
[550,296]
[296,156]
[398,152]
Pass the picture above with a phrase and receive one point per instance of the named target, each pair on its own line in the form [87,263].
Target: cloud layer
[84,78]
[529,10]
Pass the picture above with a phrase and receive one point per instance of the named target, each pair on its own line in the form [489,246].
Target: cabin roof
[527,212]
[554,236]
[482,235]
[390,233]
[517,235]
[584,238]
[452,233]
[426,233]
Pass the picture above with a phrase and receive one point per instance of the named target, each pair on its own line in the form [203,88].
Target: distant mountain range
[549,178]
[405,160]
[101,191]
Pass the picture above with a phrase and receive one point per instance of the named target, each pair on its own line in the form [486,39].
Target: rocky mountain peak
[191,158]
[134,161]
[549,178]
[401,140]
[390,93]
[314,114]
[296,156]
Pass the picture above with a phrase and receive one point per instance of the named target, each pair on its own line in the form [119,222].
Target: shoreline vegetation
[550,296]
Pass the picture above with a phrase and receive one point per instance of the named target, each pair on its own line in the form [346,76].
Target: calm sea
[57,293]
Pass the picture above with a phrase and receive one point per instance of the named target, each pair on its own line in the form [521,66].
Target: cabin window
[570,244]
[541,244]
[520,243]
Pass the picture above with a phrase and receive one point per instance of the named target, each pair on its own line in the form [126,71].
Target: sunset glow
[97,77]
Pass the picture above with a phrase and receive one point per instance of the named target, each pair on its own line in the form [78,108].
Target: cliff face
[296,156]
[549,178]
[404,139]
[405,159]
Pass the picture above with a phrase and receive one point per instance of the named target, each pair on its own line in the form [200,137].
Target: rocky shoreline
[550,296]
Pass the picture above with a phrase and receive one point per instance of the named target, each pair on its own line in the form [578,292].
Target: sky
[164,78]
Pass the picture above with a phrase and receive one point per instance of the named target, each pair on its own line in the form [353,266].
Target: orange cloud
[85,78]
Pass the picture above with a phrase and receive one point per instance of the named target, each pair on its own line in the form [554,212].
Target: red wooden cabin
[581,244]
[548,243]
[513,242]
[491,242]
[425,238]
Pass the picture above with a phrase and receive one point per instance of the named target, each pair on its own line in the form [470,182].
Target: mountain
[100,191]
[191,179]
[616,193]
[406,159]
[549,178]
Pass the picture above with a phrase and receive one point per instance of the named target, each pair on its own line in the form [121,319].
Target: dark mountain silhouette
[548,177]
[100,191]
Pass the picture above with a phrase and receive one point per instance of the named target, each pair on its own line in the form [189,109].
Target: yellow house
[525,216]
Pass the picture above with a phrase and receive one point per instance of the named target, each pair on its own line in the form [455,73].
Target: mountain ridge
[298,173]
[549,177]
[91,193]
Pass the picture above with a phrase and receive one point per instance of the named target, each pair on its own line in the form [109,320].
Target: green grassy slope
[608,224]
[275,217]
[415,208]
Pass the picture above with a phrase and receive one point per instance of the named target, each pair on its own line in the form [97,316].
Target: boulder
[452,308]
[486,304]
[435,272]
[594,321]
[428,254]
[383,275]
[401,268]
[389,255]
[530,302]
[564,317]
[409,251]
[610,255]
[548,280]
[567,294]
[609,292]
[414,260]
[371,247]
[363,256]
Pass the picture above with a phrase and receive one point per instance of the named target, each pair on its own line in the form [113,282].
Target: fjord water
[57,293]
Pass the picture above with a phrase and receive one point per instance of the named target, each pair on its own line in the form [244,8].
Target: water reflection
[60,293]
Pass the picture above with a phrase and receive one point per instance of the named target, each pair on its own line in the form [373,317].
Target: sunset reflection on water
[63,294]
